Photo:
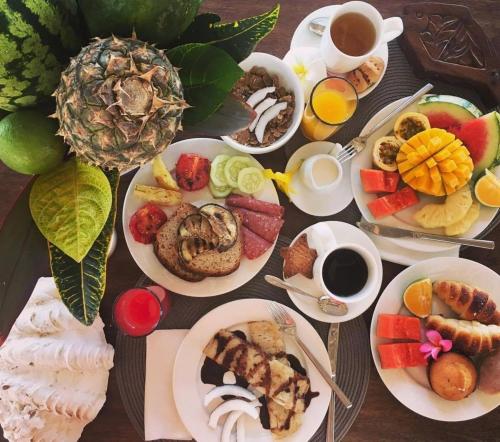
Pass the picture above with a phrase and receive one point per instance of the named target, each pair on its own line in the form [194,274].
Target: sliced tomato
[145,223]
[192,171]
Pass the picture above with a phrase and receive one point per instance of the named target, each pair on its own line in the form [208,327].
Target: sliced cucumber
[217,170]
[219,192]
[233,167]
[250,180]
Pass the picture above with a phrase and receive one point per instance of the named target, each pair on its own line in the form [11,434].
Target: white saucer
[304,37]
[314,203]
[344,233]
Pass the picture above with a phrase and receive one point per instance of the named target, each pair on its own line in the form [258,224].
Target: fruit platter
[201,213]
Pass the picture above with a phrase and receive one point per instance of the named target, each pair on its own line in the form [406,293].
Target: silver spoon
[317,25]
[326,303]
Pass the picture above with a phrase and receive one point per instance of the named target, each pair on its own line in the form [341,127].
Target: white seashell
[53,371]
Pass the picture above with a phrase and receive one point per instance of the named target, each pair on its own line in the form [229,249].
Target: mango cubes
[435,162]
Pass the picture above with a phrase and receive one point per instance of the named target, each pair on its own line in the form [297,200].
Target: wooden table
[382,417]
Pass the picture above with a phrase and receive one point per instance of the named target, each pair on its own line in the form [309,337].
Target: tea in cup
[354,32]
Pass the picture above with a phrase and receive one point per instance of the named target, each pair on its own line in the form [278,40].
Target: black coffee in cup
[345,272]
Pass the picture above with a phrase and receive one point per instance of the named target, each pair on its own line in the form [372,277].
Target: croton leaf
[70,206]
[231,117]
[81,284]
[237,38]
[208,74]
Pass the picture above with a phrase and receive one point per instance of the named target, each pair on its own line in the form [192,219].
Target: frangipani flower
[283,179]
[308,65]
[435,344]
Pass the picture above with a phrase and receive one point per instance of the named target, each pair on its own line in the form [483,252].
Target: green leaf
[207,74]
[82,284]
[70,206]
[237,38]
[231,117]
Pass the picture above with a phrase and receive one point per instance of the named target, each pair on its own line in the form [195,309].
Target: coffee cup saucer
[344,234]
[309,201]
[304,37]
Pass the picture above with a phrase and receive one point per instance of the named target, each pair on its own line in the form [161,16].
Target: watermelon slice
[482,138]
[375,181]
[398,327]
[401,355]
[394,202]
[445,111]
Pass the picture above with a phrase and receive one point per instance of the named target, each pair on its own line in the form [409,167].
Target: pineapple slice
[450,212]
[162,175]
[158,195]
[463,226]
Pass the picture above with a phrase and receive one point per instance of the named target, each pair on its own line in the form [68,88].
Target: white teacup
[385,30]
[321,173]
[321,237]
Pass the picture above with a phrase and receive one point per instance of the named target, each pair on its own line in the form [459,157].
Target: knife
[333,346]
[396,232]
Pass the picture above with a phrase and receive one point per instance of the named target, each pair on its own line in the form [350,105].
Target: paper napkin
[161,420]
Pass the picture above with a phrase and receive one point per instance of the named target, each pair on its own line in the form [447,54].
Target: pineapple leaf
[70,206]
[237,38]
[81,284]
[207,74]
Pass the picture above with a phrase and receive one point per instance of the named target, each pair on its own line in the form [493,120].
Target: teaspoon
[326,303]
[317,25]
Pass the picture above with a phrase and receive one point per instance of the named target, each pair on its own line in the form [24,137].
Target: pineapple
[119,103]
[435,162]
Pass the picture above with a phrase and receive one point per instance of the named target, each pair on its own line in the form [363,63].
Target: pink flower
[435,344]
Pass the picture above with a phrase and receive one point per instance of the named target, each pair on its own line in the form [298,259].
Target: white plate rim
[395,380]
[224,316]
[407,243]
[308,306]
[210,286]
[382,51]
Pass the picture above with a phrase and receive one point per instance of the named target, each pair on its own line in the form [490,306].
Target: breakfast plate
[309,201]
[303,37]
[189,390]
[404,219]
[144,254]
[344,233]
[410,386]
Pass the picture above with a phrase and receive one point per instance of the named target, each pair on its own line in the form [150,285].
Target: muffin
[453,376]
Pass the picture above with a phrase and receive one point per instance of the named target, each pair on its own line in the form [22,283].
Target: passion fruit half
[384,153]
[409,124]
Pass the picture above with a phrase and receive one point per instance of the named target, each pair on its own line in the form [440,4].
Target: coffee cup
[347,272]
[344,47]
[321,173]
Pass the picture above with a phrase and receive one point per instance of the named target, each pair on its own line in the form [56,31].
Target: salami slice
[253,245]
[267,227]
[246,202]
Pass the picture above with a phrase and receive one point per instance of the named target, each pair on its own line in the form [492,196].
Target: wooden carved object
[444,41]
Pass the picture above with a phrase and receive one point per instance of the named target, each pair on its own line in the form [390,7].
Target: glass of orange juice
[332,103]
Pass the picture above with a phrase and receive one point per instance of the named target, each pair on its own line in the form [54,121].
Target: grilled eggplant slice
[223,224]
[190,248]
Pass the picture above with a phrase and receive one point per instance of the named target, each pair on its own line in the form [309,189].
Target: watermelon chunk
[376,181]
[445,111]
[398,327]
[401,355]
[394,202]
[482,138]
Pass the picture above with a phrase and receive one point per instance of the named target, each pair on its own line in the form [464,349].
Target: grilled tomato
[192,171]
[145,223]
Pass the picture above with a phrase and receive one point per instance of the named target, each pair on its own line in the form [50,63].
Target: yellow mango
[431,162]
[447,166]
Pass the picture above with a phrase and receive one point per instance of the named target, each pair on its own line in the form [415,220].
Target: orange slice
[487,190]
[418,297]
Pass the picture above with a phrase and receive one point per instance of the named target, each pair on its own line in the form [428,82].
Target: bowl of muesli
[271,88]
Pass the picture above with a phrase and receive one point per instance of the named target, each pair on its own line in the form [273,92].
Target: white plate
[144,255]
[311,202]
[404,219]
[189,391]
[344,233]
[410,386]
[303,37]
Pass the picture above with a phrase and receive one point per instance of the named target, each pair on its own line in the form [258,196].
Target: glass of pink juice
[138,311]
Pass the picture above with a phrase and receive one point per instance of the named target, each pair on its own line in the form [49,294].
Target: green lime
[29,144]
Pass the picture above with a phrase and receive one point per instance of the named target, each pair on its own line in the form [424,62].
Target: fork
[287,325]
[356,145]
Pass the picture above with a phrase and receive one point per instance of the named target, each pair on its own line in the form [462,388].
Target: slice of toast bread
[165,245]
[215,263]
